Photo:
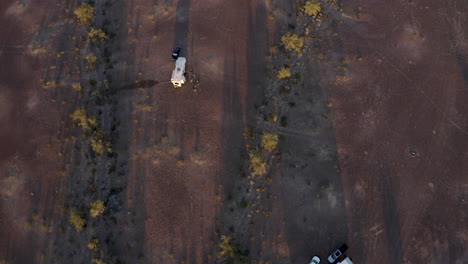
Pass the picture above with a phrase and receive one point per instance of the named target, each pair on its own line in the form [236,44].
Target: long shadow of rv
[145,84]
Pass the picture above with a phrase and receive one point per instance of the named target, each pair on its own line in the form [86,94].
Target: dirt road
[178,144]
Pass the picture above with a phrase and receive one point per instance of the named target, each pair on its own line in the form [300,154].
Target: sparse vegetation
[99,144]
[97,141]
[228,250]
[97,34]
[174,150]
[93,244]
[77,87]
[91,61]
[283,73]
[77,220]
[84,14]
[312,8]
[256,164]
[269,141]
[292,42]
[81,116]
[97,208]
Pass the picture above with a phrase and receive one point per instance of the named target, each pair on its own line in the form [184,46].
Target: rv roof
[178,72]
[179,67]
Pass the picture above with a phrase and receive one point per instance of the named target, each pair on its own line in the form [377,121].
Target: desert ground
[363,142]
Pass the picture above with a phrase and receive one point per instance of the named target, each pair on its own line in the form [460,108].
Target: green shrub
[269,141]
[312,8]
[84,14]
[292,42]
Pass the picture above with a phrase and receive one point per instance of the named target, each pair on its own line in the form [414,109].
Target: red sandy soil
[406,88]
[31,138]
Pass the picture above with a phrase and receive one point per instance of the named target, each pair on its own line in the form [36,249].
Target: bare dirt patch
[404,92]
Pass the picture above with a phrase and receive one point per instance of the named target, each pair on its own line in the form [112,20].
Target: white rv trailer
[178,74]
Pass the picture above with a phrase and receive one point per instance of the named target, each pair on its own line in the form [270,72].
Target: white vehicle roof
[178,72]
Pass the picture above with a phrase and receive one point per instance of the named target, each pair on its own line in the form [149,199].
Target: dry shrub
[97,208]
[93,244]
[272,118]
[256,164]
[312,8]
[99,144]
[228,250]
[84,14]
[292,42]
[81,116]
[77,220]
[91,61]
[97,34]
[77,87]
[283,73]
[269,141]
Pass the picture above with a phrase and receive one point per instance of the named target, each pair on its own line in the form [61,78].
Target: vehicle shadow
[144,84]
